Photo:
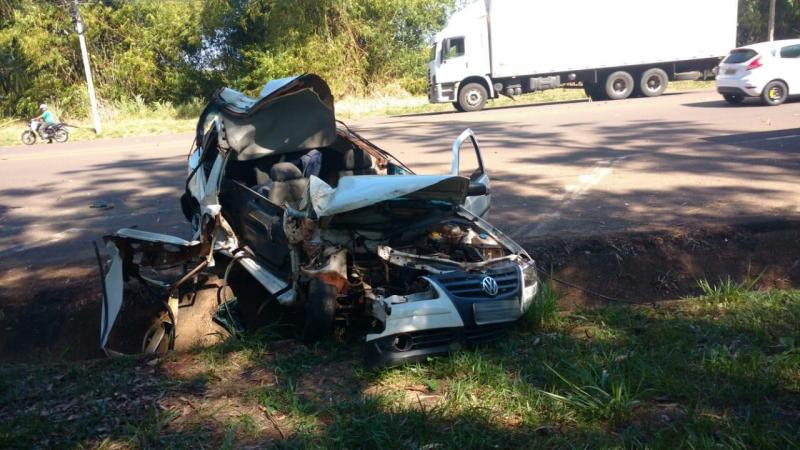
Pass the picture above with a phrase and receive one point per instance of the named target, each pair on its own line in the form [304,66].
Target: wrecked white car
[334,228]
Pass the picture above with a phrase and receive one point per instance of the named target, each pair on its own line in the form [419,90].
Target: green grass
[721,370]
[136,118]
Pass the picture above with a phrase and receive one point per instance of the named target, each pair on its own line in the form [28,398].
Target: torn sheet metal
[355,192]
[132,249]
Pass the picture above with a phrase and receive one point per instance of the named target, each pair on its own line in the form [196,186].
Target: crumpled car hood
[355,192]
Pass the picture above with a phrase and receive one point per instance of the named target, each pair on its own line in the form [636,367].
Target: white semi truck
[613,48]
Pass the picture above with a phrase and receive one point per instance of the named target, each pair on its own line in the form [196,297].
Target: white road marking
[779,138]
[572,192]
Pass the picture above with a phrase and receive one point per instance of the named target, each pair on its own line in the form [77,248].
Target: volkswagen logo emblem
[489,286]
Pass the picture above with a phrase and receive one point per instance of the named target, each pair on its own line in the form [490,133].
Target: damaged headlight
[530,285]
[529,274]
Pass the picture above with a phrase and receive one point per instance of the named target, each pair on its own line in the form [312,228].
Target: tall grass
[726,289]
[596,394]
[543,313]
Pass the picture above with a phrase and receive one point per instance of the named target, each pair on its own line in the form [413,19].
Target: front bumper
[422,344]
[459,315]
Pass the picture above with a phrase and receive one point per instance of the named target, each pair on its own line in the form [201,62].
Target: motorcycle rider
[46,119]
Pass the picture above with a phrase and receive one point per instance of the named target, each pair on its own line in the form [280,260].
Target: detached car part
[335,229]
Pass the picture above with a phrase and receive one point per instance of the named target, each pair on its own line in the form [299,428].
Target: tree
[754,17]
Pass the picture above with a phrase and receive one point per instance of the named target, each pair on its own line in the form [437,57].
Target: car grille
[483,334]
[442,337]
[469,285]
[431,338]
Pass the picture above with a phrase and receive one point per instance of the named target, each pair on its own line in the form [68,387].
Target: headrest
[355,159]
[285,171]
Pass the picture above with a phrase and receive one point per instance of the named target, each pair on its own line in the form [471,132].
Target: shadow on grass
[698,374]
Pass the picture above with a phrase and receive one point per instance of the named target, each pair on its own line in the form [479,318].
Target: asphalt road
[567,168]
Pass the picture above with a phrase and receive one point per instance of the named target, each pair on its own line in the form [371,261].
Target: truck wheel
[472,97]
[775,93]
[653,82]
[619,85]
[320,311]
[458,107]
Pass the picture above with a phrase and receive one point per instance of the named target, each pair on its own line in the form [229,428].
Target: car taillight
[754,64]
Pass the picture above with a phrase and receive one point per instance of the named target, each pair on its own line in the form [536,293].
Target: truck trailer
[612,48]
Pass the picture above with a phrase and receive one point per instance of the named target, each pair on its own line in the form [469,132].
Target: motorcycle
[55,132]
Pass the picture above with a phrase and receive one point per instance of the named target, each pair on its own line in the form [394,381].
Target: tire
[472,97]
[320,311]
[28,137]
[595,92]
[458,107]
[653,82]
[733,99]
[619,85]
[61,135]
[775,93]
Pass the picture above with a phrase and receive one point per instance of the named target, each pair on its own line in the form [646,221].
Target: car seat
[356,162]
[289,187]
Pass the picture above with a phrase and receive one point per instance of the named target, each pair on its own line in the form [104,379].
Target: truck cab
[460,59]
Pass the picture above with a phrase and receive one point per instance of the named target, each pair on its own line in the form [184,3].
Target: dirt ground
[55,313]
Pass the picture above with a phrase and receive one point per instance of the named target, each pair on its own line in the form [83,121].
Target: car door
[453,60]
[470,165]
[790,62]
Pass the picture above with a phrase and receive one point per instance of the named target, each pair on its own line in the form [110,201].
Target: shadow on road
[495,108]
[748,103]
[524,105]
[528,200]
[771,141]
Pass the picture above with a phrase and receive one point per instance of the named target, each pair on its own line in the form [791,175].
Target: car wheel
[775,93]
[320,311]
[458,107]
[472,97]
[653,82]
[733,99]
[61,135]
[619,85]
[28,138]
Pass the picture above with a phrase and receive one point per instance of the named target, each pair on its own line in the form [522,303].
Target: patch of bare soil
[667,265]
[51,312]
[56,311]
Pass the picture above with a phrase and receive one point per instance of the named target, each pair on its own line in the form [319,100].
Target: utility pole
[772,20]
[79,28]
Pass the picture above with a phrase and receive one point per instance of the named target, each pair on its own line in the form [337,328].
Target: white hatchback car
[770,70]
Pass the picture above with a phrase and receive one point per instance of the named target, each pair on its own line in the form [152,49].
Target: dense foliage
[754,19]
[176,50]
